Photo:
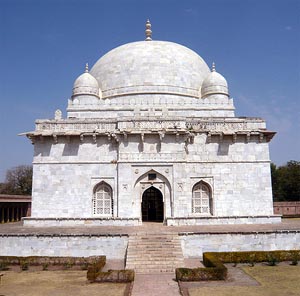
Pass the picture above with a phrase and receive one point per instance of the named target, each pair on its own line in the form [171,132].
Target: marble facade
[151,115]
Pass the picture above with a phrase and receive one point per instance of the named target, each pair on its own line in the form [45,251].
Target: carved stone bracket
[234,137]
[208,138]
[95,138]
[115,137]
[221,137]
[32,139]
[248,137]
[125,135]
[161,135]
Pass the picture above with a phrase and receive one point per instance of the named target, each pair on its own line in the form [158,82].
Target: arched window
[102,200]
[201,200]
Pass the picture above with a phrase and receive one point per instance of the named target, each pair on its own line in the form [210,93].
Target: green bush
[116,276]
[45,262]
[295,258]
[95,268]
[24,265]
[255,256]
[3,266]
[84,266]
[216,270]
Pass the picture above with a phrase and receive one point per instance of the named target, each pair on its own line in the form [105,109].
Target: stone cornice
[120,129]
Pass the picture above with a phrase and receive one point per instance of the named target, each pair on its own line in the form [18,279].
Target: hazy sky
[44,46]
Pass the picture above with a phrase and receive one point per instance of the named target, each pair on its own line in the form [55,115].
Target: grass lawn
[55,283]
[274,280]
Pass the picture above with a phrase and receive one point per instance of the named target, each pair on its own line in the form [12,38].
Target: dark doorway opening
[152,205]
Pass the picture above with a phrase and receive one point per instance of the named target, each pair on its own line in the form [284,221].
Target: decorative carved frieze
[152,124]
[151,156]
[119,130]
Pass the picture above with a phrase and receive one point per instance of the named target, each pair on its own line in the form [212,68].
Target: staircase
[154,252]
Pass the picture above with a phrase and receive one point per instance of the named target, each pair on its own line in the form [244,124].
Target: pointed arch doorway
[152,205]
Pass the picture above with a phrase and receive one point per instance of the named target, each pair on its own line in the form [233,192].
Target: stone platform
[112,241]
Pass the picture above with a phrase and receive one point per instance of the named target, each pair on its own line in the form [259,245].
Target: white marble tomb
[150,135]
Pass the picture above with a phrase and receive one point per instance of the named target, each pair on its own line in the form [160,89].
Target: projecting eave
[268,134]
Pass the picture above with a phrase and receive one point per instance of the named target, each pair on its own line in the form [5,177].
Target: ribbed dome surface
[214,83]
[86,84]
[150,67]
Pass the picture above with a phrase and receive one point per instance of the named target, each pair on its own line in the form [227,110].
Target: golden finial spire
[86,68]
[148,31]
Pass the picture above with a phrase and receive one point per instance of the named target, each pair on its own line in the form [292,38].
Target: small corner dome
[214,84]
[86,84]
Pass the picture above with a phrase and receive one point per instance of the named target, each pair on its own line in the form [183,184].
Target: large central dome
[150,67]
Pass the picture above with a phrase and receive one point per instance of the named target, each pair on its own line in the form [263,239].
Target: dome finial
[213,68]
[148,31]
[86,68]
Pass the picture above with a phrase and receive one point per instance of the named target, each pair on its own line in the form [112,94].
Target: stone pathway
[162,284]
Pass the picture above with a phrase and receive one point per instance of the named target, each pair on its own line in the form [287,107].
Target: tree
[18,181]
[286,181]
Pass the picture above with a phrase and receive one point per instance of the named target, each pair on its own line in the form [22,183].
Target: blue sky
[44,46]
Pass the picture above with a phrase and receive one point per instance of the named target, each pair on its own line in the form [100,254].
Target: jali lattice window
[201,199]
[102,201]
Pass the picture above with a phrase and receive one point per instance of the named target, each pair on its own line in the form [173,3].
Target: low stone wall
[71,222]
[112,246]
[287,208]
[195,244]
[223,220]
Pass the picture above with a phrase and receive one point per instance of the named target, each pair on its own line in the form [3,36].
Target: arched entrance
[152,205]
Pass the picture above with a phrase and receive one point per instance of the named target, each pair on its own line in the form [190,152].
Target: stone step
[149,256]
[155,270]
[158,260]
[135,243]
[158,243]
[153,244]
[141,239]
[155,248]
[152,266]
[155,239]
[154,253]
[173,245]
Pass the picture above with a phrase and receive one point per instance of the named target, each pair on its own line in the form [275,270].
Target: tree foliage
[18,181]
[286,181]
